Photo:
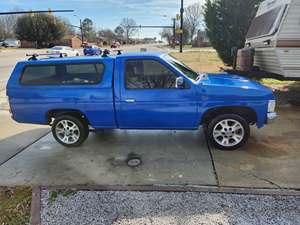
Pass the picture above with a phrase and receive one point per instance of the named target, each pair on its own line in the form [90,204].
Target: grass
[205,60]
[269,81]
[15,205]
[55,194]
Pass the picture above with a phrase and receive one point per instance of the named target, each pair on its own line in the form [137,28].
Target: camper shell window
[264,24]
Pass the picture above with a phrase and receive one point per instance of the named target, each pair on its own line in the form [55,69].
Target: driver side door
[150,100]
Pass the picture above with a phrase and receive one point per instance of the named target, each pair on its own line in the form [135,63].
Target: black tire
[244,133]
[82,127]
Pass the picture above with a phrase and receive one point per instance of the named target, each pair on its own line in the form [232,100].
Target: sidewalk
[16,137]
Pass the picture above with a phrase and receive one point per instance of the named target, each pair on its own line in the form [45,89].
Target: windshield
[183,68]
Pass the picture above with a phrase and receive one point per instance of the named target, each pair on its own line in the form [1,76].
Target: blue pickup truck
[136,91]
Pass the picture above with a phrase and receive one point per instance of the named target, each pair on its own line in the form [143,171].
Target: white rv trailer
[275,36]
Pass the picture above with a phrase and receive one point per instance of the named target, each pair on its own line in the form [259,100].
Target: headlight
[271,106]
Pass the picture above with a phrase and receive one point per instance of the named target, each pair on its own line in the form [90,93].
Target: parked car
[92,50]
[64,50]
[136,91]
[11,43]
[115,44]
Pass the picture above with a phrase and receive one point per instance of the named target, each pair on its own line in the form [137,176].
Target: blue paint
[105,104]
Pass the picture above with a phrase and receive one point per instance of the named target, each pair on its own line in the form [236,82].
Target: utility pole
[181,26]
[174,32]
[81,30]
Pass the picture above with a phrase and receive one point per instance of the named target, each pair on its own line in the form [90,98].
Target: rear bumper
[271,117]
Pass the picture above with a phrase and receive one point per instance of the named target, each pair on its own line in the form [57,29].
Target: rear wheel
[70,131]
[228,132]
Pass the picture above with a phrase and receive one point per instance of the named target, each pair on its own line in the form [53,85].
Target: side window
[60,74]
[83,74]
[39,75]
[148,74]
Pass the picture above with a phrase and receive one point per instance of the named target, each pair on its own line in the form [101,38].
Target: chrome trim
[130,100]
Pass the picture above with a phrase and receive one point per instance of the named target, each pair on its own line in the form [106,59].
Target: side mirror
[179,82]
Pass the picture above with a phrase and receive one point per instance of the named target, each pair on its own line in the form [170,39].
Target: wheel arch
[246,112]
[54,113]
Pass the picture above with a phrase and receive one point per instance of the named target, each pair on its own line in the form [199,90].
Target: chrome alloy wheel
[228,132]
[67,131]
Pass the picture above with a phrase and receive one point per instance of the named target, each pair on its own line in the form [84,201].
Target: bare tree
[8,24]
[108,34]
[70,30]
[2,30]
[88,29]
[119,31]
[193,19]
[167,34]
[127,25]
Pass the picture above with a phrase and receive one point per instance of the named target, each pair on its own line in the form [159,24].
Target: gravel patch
[164,208]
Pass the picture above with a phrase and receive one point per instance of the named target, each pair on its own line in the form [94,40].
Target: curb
[35,218]
[181,188]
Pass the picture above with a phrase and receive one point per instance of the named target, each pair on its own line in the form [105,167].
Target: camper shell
[274,35]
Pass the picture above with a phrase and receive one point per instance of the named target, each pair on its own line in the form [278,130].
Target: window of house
[63,74]
[148,74]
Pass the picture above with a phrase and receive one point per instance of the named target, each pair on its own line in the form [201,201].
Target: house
[71,41]
[201,40]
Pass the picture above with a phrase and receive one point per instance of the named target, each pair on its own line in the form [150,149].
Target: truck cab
[136,91]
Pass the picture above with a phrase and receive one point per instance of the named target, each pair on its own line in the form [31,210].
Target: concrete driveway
[169,157]
[271,159]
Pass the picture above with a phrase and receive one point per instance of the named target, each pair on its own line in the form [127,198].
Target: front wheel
[70,131]
[228,132]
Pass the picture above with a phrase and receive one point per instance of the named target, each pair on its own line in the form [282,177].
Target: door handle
[130,100]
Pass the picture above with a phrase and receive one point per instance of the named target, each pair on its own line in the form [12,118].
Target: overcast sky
[108,13]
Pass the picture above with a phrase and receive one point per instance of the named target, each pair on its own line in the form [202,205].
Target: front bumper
[271,117]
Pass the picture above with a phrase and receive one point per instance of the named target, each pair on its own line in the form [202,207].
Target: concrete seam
[212,158]
[24,148]
[266,180]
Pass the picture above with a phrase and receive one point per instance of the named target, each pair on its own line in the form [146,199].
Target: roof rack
[119,51]
[35,56]
[106,53]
